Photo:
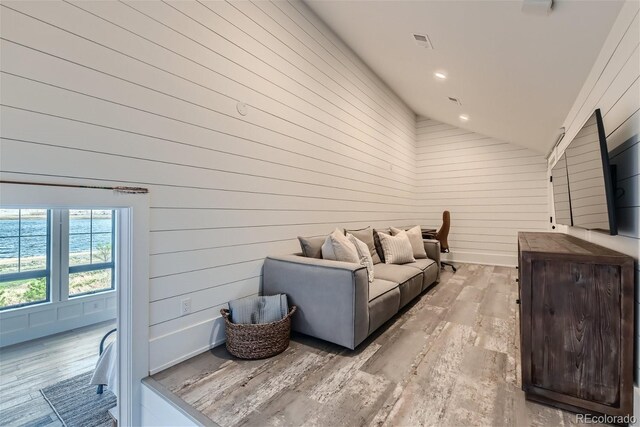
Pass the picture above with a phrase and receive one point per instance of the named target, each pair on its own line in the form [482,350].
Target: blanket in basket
[256,310]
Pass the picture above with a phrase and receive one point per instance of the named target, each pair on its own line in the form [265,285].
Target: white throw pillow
[415,237]
[397,249]
[338,248]
[364,254]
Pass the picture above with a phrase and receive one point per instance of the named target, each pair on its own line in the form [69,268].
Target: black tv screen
[590,182]
[561,201]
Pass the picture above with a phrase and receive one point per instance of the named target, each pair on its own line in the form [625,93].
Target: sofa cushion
[337,247]
[430,275]
[312,246]
[395,273]
[429,270]
[415,237]
[363,254]
[366,235]
[422,264]
[411,289]
[383,308]
[379,287]
[397,249]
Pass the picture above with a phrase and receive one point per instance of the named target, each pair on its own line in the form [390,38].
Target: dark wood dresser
[576,324]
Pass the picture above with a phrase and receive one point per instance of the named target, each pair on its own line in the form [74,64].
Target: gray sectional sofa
[335,300]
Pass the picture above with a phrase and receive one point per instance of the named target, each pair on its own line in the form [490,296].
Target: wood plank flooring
[28,367]
[449,358]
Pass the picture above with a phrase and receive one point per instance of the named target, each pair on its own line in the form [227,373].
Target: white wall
[613,86]
[160,407]
[493,189]
[145,94]
[37,321]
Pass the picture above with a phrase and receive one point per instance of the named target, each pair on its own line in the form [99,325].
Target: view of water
[36,245]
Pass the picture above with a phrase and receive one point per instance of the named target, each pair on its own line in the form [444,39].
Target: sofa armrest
[303,261]
[432,247]
[332,296]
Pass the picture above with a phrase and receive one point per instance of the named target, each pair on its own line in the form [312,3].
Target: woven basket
[257,341]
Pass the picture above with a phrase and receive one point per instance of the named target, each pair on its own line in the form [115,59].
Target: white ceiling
[517,75]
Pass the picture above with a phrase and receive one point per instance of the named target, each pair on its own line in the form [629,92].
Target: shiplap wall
[493,189]
[145,94]
[613,86]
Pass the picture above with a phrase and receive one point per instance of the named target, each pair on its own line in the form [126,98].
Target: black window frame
[83,268]
[30,274]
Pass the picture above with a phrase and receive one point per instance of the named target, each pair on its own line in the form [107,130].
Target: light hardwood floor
[28,367]
[450,358]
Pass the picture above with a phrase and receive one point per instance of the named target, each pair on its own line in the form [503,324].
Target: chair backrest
[443,232]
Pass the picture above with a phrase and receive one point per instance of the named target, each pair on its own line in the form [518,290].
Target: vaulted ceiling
[516,74]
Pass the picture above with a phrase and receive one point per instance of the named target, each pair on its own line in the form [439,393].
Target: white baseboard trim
[176,347]
[481,258]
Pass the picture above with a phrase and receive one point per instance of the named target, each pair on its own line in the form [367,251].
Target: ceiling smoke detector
[455,100]
[422,40]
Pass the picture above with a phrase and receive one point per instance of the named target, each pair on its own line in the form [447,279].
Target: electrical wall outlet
[185,306]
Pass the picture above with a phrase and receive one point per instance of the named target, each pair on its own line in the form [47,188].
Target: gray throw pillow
[376,240]
[415,237]
[365,235]
[338,248]
[397,249]
[363,254]
[312,246]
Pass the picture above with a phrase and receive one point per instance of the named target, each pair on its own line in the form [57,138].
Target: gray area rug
[77,404]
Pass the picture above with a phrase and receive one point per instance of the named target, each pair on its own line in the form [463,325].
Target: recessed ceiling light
[440,75]
[464,117]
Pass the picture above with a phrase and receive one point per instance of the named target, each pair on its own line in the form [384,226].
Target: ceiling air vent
[455,100]
[537,7]
[422,40]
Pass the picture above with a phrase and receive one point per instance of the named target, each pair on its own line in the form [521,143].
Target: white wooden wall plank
[169,308]
[17,156]
[317,31]
[208,15]
[203,108]
[39,128]
[186,283]
[493,190]
[141,94]
[279,30]
[119,41]
[621,34]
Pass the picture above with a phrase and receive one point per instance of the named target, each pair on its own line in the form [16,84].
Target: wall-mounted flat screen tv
[591,192]
[561,201]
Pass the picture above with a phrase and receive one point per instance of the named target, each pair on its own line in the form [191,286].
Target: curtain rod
[128,190]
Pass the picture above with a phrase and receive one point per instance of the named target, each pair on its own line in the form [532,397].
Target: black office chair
[441,235]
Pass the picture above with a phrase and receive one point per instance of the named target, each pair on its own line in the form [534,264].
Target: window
[24,256]
[91,244]
[51,255]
